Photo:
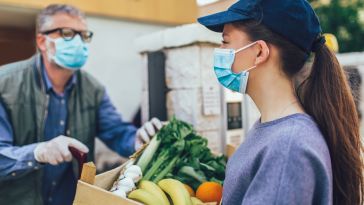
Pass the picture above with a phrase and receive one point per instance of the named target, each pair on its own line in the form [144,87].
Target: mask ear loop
[240,49]
[245,47]
[247,70]
[251,68]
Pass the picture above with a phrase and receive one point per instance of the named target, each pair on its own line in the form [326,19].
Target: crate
[93,189]
[97,193]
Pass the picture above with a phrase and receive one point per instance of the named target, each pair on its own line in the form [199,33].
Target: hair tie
[319,42]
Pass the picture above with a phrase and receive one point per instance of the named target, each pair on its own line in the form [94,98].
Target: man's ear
[263,52]
[41,42]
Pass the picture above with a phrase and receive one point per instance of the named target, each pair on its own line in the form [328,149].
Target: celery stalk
[166,170]
[148,153]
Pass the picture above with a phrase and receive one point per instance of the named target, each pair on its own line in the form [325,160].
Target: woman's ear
[263,52]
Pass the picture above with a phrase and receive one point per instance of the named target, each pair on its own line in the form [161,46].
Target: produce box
[174,158]
[98,193]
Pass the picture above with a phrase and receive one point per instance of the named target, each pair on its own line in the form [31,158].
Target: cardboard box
[94,190]
[98,193]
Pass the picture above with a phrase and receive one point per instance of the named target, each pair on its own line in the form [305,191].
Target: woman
[306,148]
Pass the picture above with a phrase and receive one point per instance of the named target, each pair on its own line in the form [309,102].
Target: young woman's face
[234,38]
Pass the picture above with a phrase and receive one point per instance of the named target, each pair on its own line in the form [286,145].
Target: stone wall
[195,95]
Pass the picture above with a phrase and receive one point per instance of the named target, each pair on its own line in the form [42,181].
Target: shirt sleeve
[15,161]
[292,175]
[117,134]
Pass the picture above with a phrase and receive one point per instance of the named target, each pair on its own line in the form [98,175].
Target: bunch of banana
[176,190]
[150,194]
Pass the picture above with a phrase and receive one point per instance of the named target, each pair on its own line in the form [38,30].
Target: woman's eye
[223,42]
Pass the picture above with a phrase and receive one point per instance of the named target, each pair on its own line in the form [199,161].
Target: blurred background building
[116,23]
[113,59]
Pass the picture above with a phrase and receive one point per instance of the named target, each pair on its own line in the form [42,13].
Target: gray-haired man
[48,104]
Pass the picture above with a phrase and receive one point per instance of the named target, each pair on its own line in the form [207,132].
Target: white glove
[147,131]
[56,150]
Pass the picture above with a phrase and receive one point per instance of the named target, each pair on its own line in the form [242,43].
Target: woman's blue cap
[295,20]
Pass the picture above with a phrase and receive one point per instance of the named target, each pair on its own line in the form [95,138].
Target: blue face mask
[223,62]
[70,54]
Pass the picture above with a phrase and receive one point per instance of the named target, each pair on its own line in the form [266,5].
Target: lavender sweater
[285,161]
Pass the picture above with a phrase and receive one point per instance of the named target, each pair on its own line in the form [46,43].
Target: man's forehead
[68,21]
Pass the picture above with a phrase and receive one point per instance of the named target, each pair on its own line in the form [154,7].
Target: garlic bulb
[126,184]
[119,192]
[126,181]
[134,172]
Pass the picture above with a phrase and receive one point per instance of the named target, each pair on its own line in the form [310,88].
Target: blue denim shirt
[59,182]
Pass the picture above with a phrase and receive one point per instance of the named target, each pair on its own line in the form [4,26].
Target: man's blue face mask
[71,54]
[223,62]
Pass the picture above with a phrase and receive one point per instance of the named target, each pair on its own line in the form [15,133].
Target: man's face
[59,21]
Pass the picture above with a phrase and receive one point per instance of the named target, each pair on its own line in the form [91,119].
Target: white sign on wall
[211,100]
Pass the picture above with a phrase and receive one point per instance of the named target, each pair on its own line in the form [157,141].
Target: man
[48,104]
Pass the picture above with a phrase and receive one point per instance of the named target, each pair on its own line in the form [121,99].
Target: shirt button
[54,183]
[61,123]
[36,167]
[30,164]
[50,199]
[62,102]
[13,174]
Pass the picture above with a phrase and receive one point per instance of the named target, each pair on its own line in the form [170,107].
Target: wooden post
[88,173]
[230,149]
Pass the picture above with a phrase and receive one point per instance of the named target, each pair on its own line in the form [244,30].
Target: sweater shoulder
[298,136]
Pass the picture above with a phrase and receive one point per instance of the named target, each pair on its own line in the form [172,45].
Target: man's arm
[113,131]
[14,161]
[120,136]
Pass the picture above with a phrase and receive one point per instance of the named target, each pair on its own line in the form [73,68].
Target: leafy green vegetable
[191,172]
[164,158]
[178,152]
[148,153]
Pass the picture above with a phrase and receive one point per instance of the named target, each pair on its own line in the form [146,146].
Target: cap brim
[215,22]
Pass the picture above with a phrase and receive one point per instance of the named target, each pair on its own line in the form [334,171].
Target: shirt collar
[48,84]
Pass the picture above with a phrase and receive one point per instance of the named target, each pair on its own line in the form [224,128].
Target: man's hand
[56,150]
[147,131]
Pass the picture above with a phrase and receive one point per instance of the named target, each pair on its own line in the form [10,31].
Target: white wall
[115,62]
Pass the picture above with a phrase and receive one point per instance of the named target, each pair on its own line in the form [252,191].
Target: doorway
[17,34]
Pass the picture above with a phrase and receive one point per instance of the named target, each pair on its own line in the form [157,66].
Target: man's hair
[44,19]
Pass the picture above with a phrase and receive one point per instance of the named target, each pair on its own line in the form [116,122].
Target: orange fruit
[190,190]
[209,192]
